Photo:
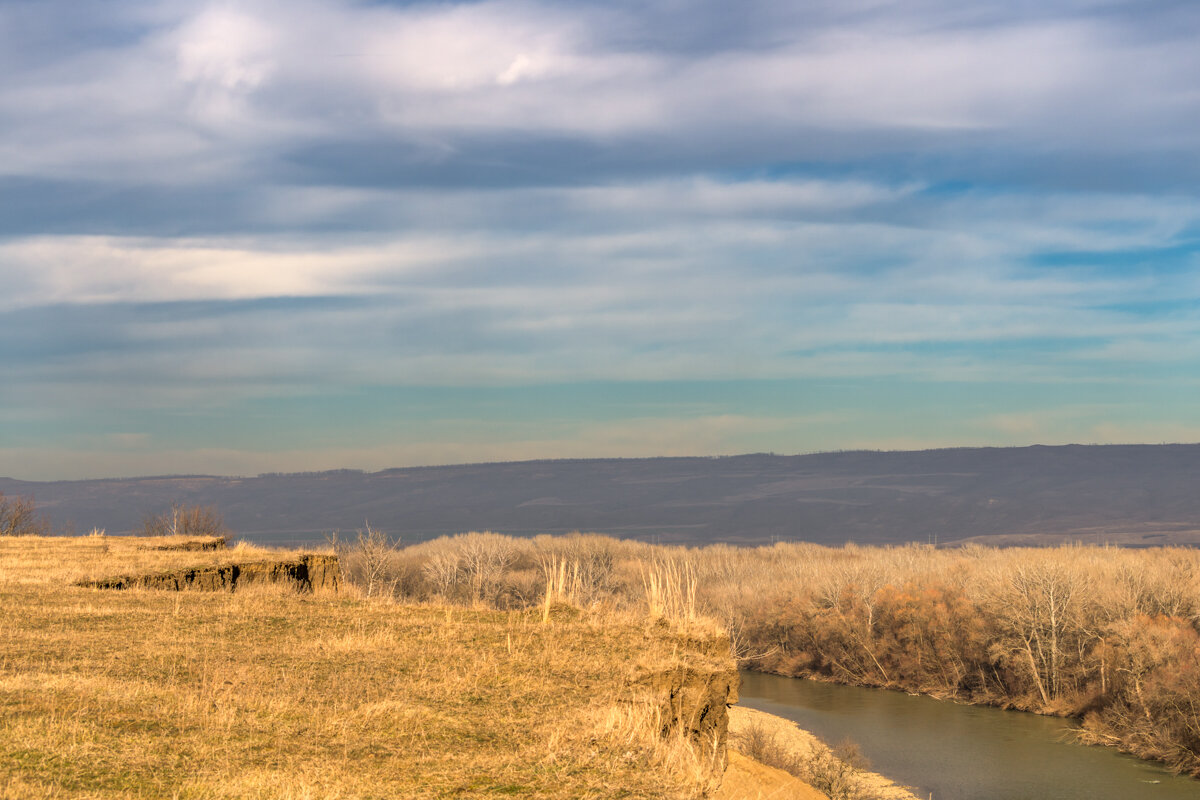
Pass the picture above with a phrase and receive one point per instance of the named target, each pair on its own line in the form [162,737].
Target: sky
[291,235]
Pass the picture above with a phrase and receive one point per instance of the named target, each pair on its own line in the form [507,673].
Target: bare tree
[375,551]
[182,520]
[19,517]
[1040,624]
[485,556]
[851,592]
[441,569]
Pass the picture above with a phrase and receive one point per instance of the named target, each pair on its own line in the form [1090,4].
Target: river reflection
[956,752]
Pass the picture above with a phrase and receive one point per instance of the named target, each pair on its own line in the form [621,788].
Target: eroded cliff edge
[306,573]
[687,696]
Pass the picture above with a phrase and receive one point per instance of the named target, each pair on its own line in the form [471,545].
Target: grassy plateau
[267,692]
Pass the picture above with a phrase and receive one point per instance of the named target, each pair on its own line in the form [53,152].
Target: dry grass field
[1108,635]
[272,693]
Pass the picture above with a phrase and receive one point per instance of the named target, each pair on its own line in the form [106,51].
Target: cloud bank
[212,209]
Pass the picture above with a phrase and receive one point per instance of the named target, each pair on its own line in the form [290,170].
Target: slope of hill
[1126,494]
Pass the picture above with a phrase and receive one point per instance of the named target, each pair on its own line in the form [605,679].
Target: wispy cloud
[212,89]
[207,205]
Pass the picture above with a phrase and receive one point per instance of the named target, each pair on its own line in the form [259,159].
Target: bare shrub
[185,520]
[375,554]
[670,589]
[762,744]
[485,557]
[378,565]
[1111,633]
[594,558]
[441,569]
[19,517]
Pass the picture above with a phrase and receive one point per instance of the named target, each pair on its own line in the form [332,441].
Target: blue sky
[275,236]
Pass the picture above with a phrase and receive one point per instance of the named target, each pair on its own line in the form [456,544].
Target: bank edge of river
[1084,736]
[964,751]
[801,746]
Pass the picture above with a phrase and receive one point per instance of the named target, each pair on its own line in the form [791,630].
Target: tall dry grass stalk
[562,584]
[670,590]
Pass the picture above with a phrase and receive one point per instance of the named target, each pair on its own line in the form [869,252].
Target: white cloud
[224,55]
[452,49]
[764,281]
[520,192]
[106,269]
[704,195]
[222,84]
[225,48]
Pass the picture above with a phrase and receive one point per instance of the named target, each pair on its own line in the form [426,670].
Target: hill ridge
[1133,494]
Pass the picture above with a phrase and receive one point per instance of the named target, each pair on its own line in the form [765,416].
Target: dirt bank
[307,573]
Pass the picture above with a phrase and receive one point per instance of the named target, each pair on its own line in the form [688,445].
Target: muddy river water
[955,752]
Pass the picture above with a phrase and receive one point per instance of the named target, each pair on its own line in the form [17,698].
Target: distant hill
[1124,494]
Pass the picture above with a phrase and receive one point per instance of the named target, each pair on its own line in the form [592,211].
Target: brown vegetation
[274,693]
[540,663]
[748,779]
[19,517]
[1103,634]
[185,520]
[1111,636]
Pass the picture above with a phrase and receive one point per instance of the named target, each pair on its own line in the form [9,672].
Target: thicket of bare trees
[1111,636]
[185,520]
[491,569]
[19,517]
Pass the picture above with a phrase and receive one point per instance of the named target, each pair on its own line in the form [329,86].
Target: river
[949,751]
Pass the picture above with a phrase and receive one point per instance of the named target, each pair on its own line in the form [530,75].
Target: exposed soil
[307,573]
[695,694]
[195,545]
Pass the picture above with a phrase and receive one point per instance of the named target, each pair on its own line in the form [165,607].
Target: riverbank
[965,752]
[1108,726]
[276,690]
[1107,635]
[780,743]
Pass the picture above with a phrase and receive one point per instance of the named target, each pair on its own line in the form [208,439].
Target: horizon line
[709,457]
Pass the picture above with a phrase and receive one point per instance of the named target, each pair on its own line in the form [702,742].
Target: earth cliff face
[307,573]
[692,695]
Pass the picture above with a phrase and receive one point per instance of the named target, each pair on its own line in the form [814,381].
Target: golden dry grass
[37,561]
[266,693]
